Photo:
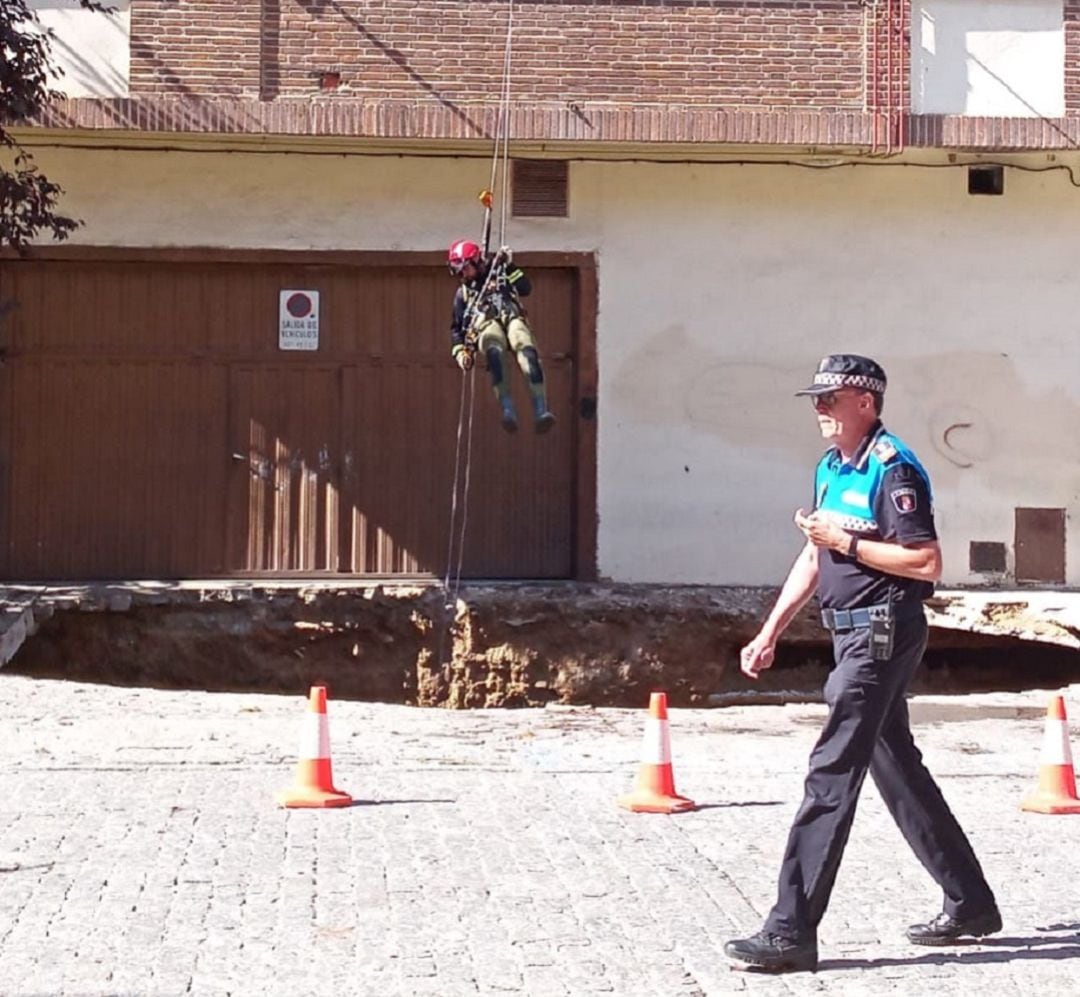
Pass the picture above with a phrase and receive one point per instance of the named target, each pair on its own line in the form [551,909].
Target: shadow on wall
[987,59]
[91,49]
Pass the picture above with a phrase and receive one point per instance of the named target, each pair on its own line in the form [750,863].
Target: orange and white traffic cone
[1056,792]
[313,785]
[654,791]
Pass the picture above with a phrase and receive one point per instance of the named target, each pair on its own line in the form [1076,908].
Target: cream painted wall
[1004,58]
[92,50]
[720,288]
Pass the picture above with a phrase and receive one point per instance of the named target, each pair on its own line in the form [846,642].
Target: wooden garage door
[153,427]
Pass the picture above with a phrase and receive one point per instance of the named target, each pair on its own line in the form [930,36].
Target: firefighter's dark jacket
[499,300]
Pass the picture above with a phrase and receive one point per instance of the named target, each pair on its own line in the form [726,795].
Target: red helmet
[462,252]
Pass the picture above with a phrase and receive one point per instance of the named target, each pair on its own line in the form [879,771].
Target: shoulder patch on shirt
[884,451]
[905,499]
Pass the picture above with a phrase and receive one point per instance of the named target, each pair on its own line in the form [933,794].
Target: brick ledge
[600,124]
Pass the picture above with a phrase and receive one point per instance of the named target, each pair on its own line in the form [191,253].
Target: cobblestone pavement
[141,852]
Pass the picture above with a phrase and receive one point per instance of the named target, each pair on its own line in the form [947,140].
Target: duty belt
[842,620]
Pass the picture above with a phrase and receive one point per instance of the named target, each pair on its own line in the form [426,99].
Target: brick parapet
[581,126]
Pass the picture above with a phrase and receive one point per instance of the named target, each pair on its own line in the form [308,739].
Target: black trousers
[868,729]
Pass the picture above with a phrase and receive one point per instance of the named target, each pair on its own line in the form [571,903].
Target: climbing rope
[504,125]
[501,151]
[471,382]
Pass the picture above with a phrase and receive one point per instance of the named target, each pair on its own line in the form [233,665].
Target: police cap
[846,370]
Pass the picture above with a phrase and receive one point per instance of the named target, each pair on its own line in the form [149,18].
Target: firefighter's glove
[463,356]
[506,254]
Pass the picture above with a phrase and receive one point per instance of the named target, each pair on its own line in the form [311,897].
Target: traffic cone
[654,790]
[314,782]
[1056,793]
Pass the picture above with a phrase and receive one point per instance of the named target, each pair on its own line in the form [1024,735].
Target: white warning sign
[298,320]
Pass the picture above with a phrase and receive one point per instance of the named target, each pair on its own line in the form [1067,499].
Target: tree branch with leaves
[28,199]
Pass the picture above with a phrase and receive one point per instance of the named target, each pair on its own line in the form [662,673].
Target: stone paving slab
[141,852]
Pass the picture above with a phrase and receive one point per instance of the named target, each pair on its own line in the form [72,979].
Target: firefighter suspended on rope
[488,318]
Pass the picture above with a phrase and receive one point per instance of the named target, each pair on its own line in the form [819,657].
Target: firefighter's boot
[544,419]
[509,415]
[495,355]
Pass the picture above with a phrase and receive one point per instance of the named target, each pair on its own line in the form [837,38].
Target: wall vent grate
[540,188]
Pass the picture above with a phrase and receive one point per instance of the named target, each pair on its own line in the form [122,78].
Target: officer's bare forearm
[919,561]
[796,591]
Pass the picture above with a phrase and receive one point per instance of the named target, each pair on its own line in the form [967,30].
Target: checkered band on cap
[850,380]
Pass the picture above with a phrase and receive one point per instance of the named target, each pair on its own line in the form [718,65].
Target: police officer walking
[872,555]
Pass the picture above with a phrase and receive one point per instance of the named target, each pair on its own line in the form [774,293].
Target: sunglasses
[829,399]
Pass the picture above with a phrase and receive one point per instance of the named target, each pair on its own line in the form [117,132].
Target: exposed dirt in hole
[499,647]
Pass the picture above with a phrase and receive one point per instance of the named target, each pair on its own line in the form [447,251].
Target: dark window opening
[986,180]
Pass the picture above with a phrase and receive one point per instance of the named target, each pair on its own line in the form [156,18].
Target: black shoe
[946,929]
[769,953]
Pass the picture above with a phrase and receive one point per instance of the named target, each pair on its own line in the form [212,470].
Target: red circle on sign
[298,305]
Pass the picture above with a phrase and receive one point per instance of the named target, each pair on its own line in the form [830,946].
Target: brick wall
[731,53]
[200,47]
[772,72]
[1072,55]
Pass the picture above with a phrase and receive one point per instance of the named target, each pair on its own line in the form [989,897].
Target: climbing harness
[460,495]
